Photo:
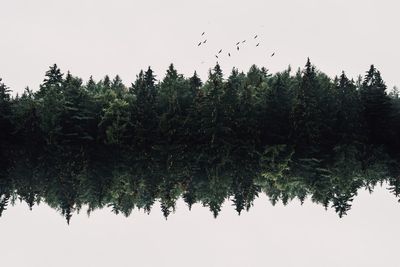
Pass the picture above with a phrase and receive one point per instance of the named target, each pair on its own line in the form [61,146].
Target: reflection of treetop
[101,144]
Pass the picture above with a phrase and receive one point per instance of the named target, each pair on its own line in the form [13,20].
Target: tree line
[286,134]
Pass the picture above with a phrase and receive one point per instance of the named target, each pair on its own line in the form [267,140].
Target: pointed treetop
[91,81]
[68,77]
[172,73]
[53,76]
[195,80]
[308,64]
[4,91]
[234,73]
[107,81]
[343,76]
[217,70]
[309,68]
[117,79]
[91,84]
[149,77]
[373,78]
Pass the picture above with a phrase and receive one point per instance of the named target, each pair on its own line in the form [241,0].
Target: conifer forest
[76,144]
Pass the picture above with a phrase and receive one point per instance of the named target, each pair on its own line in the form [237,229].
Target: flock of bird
[203,42]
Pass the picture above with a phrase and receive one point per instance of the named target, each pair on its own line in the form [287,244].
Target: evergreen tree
[307,116]
[6,130]
[211,110]
[195,83]
[144,113]
[275,124]
[348,111]
[75,118]
[5,113]
[54,79]
[118,87]
[51,103]
[289,136]
[376,107]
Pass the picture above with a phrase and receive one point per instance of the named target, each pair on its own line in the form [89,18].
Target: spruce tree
[307,114]
[376,107]
[348,110]
[275,124]
[51,103]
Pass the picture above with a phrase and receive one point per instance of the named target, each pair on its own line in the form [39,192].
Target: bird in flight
[237,43]
[257,44]
[255,36]
[204,41]
[203,33]
[237,48]
[229,54]
[216,56]
[199,44]
[243,41]
[272,54]
[219,52]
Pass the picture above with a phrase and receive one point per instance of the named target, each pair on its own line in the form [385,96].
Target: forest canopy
[289,135]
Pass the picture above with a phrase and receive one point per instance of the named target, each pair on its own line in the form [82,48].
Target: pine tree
[118,87]
[376,107]
[275,124]
[5,110]
[51,103]
[91,86]
[144,111]
[53,77]
[348,111]
[76,117]
[6,130]
[307,115]
[195,82]
[211,109]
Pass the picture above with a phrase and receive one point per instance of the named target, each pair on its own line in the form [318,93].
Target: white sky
[96,37]
[292,236]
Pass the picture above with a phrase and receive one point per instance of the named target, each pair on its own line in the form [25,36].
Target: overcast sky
[96,37]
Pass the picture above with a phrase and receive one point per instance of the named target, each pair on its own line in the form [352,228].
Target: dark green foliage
[348,111]
[102,144]
[307,112]
[6,126]
[275,120]
[376,107]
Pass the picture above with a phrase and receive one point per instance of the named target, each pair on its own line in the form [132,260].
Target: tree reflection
[68,179]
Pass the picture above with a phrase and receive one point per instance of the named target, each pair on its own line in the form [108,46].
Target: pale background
[122,37]
[294,236]
[93,37]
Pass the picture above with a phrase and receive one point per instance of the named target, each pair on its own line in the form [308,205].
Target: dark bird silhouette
[243,41]
[204,41]
[199,44]
[216,56]
[255,36]
[219,52]
[237,48]
[203,33]
[272,54]
[237,43]
[229,54]
[257,44]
